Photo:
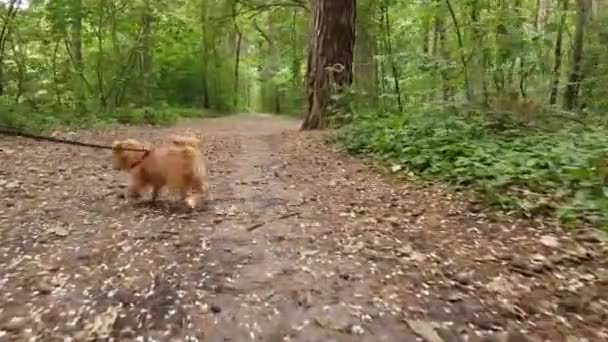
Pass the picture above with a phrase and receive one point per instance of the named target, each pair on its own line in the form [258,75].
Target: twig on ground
[260,224]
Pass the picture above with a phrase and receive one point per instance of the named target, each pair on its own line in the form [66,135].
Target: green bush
[23,116]
[530,171]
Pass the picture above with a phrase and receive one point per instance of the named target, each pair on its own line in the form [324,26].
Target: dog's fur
[185,140]
[179,168]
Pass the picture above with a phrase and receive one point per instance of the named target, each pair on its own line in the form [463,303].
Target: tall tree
[330,56]
[11,11]
[576,72]
[558,53]
[76,55]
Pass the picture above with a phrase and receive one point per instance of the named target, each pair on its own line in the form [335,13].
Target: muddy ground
[301,243]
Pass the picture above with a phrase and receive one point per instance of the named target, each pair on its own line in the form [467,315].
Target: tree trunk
[76,52]
[463,57]
[147,55]
[56,80]
[558,54]
[237,55]
[576,74]
[100,54]
[364,67]
[389,51]
[205,55]
[11,11]
[330,56]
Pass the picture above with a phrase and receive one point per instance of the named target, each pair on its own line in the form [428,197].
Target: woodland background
[504,97]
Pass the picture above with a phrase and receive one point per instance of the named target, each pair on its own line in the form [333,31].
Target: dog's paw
[191,202]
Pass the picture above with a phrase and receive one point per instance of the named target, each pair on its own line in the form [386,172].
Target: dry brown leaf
[425,329]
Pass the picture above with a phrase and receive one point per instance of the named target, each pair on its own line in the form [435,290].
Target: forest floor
[300,243]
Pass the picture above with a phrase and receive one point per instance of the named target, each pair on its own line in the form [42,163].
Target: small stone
[454,297]
[44,288]
[53,268]
[462,278]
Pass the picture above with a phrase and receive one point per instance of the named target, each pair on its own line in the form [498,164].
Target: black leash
[12,131]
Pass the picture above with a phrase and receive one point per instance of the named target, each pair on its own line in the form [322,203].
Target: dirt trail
[361,257]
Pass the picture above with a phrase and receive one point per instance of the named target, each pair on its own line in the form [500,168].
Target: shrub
[531,171]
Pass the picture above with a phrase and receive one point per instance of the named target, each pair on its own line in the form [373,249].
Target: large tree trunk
[330,56]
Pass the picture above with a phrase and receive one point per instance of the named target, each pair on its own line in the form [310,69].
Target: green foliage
[139,56]
[533,172]
[19,116]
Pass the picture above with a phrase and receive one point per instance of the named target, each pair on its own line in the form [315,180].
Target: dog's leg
[184,194]
[135,189]
[199,192]
[155,192]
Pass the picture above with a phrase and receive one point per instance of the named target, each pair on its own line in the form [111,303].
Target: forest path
[362,258]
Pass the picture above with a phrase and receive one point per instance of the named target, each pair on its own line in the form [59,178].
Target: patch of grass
[530,171]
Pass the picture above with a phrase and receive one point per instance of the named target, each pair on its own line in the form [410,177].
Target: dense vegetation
[505,97]
[73,61]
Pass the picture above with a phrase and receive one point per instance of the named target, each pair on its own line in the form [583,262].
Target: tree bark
[389,51]
[77,58]
[147,54]
[463,57]
[237,56]
[205,54]
[11,11]
[558,54]
[330,56]
[576,73]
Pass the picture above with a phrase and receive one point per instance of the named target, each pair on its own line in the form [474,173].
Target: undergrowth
[42,119]
[558,172]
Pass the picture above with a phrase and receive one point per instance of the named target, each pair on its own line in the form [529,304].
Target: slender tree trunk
[205,54]
[442,54]
[19,59]
[389,50]
[77,58]
[576,73]
[147,54]
[365,83]
[463,58]
[557,67]
[477,67]
[56,74]
[100,79]
[12,7]
[237,59]
[295,57]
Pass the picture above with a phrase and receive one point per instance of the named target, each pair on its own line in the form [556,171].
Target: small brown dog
[181,169]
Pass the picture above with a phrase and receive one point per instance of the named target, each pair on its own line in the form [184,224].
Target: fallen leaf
[103,323]
[549,241]
[60,231]
[404,250]
[396,168]
[426,330]
[500,285]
